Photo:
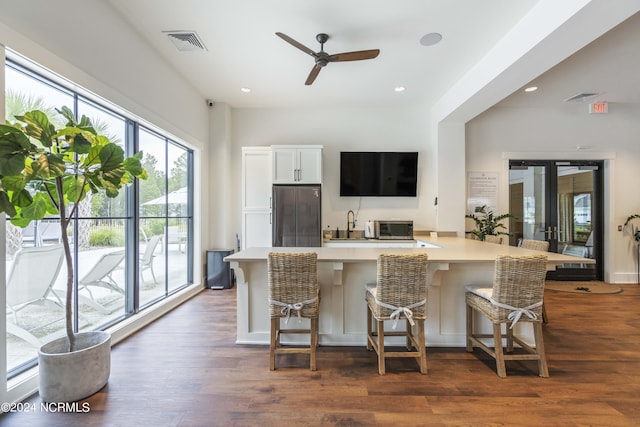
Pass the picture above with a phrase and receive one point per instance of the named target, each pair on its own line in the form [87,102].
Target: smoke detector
[582,97]
[185,40]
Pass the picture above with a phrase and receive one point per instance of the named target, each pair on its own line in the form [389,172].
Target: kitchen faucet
[350,223]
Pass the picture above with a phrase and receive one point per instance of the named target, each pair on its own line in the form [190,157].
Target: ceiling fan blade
[313,74]
[296,44]
[354,56]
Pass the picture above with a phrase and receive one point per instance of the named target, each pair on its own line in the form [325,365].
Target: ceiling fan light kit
[322,58]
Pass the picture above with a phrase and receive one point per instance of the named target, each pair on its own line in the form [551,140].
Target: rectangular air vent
[582,97]
[185,40]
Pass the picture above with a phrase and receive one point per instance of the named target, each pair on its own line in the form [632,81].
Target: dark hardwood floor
[185,370]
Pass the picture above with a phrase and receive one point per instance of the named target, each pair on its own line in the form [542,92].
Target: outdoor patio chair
[174,236]
[100,276]
[146,261]
[30,281]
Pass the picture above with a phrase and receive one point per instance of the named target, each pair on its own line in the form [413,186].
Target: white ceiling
[243,50]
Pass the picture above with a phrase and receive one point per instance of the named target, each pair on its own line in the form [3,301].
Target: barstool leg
[469,328]
[497,338]
[543,369]
[423,347]
[381,367]
[314,342]
[275,322]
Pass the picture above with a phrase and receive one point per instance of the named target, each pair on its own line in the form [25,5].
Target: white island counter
[343,272]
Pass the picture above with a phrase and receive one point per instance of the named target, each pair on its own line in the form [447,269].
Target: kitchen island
[343,273]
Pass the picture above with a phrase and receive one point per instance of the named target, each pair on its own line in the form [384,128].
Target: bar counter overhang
[343,273]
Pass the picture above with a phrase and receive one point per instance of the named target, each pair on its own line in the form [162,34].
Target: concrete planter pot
[70,376]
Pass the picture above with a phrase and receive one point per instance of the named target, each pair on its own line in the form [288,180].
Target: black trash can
[218,274]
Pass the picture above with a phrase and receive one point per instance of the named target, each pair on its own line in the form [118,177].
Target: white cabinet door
[310,166]
[285,165]
[256,178]
[256,229]
[297,165]
[256,197]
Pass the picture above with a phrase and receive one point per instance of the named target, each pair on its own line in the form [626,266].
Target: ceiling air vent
[185,40]
[582,97]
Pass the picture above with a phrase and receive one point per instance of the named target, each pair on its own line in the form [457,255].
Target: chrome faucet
[351,223]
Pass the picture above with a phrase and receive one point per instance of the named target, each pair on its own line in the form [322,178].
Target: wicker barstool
[493,239]
[516,296]
[293,294]
[538,245]
[400,292]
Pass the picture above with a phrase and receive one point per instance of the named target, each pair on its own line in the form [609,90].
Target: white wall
[115,63]
[547,133]
[344,129]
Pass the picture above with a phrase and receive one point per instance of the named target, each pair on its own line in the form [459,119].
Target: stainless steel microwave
[393,230]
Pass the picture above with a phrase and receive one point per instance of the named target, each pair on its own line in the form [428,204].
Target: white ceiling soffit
[185,40]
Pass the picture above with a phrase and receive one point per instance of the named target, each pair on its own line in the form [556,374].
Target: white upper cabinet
[256,178]
[297,164]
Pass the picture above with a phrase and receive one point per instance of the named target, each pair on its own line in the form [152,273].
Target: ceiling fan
[323,58]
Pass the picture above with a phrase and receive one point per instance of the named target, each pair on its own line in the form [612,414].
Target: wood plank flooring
[186,370]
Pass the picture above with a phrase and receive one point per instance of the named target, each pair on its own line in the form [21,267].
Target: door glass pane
[575,212]
[527,203]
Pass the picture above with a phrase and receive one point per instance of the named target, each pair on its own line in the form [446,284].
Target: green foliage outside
[106,236]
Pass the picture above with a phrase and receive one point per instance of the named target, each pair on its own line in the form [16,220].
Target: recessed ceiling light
[245,89]
[531,89]
[430,39]
[399,89]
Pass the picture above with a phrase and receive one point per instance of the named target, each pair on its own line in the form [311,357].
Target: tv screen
[378,174]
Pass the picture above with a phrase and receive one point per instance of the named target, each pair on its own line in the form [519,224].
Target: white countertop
[449,250]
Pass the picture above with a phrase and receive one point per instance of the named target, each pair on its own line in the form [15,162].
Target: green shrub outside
[105,236]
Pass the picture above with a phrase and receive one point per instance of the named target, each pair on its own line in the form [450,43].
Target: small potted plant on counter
[487,223]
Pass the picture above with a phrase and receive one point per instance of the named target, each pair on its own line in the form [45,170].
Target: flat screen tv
[378,174]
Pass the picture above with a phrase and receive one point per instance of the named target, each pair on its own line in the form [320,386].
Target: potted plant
[48,171]
[487,224]
[635,232]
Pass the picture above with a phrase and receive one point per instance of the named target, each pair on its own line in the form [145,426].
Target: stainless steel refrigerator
[296,215]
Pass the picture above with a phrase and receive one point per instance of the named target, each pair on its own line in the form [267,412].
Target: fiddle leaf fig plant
[635,232]
[46,171]
[487,223]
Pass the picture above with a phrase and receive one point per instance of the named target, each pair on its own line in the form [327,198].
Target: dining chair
[516,296]
[400,292]
[292,280]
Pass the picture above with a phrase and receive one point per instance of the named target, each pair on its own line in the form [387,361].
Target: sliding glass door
[560,202]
